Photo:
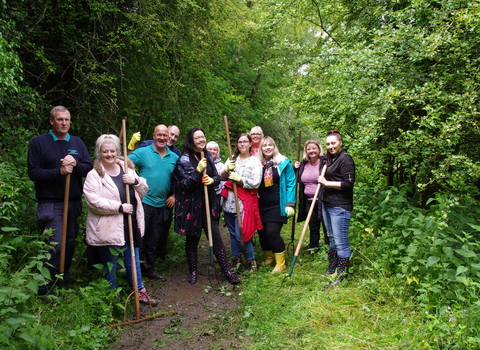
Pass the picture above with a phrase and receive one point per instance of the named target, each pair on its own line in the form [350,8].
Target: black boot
[223,262]
[342,270]
[192,266]
[332,262]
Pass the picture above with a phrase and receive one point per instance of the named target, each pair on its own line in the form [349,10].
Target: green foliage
[433,251]
[20,276]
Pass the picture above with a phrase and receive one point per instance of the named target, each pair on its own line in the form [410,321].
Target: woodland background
[398,78]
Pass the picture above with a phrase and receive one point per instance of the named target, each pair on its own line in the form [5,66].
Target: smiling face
[214,151]
[313,152]
[160,135]
[334,145]
[173,133]
[256,134]
[60,124]
[243,145]
[199,141]
[267,149]
[108,153]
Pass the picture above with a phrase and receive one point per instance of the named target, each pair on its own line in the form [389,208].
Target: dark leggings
[316,221]
[191,243]
[270,238]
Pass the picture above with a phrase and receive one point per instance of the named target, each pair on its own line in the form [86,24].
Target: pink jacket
[104,222]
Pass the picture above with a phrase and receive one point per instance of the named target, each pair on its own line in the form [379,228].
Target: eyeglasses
[255,134]
[199,138]
[242,142]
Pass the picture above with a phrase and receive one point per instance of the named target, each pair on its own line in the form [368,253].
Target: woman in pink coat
[107,218]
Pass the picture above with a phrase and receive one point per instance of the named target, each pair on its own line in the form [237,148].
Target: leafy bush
[433,250]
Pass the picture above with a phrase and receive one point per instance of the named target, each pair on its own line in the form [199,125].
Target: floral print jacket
[190,197]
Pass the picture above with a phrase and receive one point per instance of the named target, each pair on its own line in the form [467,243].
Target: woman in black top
[338,202]
[190,213]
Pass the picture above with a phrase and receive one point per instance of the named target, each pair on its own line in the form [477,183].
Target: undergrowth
[414,282]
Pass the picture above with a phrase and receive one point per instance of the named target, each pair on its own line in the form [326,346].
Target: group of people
[257,183]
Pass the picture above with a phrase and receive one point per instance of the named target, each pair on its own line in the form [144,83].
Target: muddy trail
[200,316]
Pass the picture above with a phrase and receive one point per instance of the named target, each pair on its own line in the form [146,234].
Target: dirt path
[203,315]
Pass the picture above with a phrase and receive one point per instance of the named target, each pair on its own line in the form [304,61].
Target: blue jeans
[336,221]
[109,253]
[231,221]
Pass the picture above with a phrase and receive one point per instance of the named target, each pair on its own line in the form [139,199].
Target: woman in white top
[246,171]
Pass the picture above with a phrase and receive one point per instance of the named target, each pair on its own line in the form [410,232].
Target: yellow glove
[229,165]
[290,211]
[207,180]
[134,140]
[235,177]
[202,165]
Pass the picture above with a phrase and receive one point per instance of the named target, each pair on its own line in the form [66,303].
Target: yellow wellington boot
[269,257]
[280,259]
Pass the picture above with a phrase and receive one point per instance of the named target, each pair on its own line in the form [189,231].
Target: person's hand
[128,178]
[235,177]
[229,165]
[68,160]
[127,208]
[68,169]
[297,165]
[202,165]
[290,211]
[207,180]
[322,180]
[170,202]
[134,140]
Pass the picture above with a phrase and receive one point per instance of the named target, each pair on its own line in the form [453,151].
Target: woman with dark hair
[308,172]
[246,171]
[338,202]
[107,227]
[190,215]
[277,201]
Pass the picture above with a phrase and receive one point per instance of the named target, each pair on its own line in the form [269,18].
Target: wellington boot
[280,262]
[269,257]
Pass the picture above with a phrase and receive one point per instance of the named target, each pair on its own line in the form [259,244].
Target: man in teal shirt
[156,163]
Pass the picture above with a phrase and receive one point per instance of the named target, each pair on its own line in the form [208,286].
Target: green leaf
[432,260]
[461,269]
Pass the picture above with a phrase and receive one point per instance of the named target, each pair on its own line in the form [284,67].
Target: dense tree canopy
[398,78]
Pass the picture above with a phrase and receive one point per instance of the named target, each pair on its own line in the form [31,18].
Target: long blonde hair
[277,157]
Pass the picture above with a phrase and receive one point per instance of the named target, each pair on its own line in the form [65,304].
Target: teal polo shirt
[157,171]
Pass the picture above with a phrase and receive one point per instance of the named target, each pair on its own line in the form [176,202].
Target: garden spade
[305,227]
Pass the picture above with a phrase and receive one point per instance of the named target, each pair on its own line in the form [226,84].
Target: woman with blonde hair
[277,194]
[107,225]
[308,172]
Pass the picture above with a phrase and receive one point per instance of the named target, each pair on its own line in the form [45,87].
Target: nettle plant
[433,250]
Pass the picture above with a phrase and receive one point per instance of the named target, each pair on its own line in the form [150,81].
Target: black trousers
[155,228]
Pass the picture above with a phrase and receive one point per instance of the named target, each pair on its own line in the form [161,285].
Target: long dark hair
[188,144]
[237,151]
